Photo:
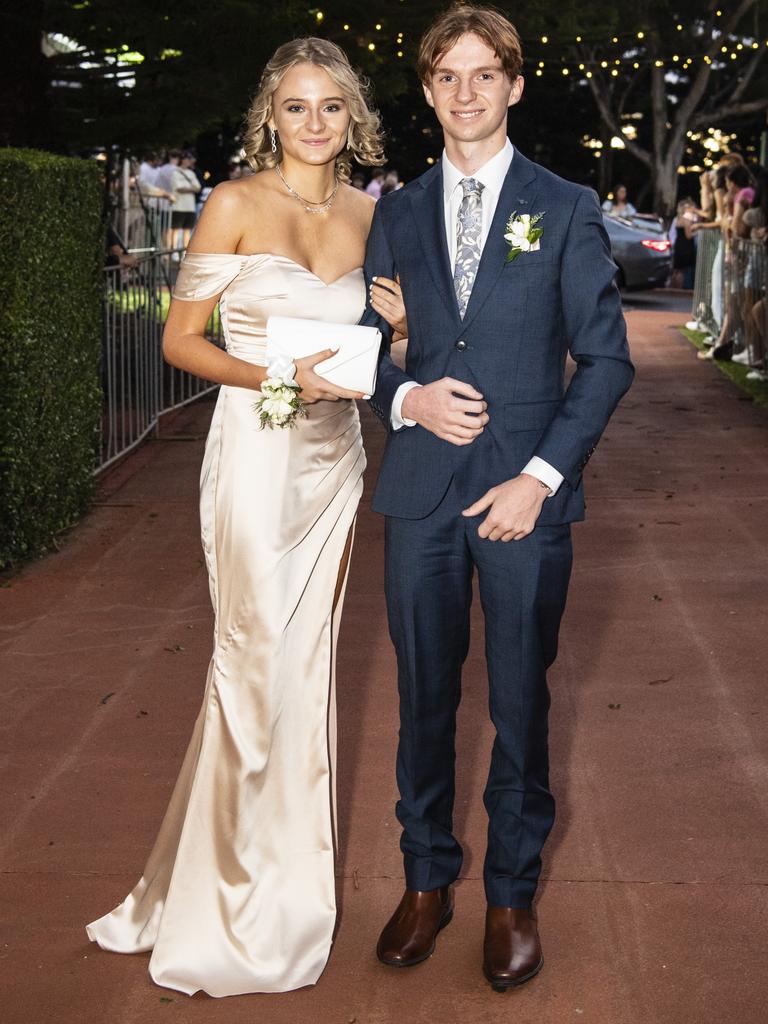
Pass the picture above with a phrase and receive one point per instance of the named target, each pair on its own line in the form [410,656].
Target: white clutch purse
[354,365]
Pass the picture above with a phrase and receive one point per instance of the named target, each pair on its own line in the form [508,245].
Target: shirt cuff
[542,471]
[396,416]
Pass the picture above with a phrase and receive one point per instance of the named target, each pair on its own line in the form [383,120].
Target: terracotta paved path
[656,896]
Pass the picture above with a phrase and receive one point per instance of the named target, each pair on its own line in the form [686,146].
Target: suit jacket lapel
[429,213]
[517,193]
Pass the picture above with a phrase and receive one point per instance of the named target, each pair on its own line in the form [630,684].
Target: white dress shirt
[164,176]
[491,175]
[147,173]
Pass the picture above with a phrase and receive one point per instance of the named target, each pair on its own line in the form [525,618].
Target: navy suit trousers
[430,564]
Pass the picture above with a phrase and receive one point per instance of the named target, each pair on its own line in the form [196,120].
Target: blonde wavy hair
[364,135]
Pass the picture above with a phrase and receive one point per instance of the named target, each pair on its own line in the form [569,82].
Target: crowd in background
[164,196]
[381,182]
[376,183]
[732,213]
[728,220]
[723,233]
[174,178]
[172,182]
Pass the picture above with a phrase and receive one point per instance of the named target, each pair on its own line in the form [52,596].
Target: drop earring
[274,139]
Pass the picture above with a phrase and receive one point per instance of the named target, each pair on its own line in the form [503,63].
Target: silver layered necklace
[321,207]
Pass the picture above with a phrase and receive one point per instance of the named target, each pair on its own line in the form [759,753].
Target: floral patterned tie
[468,251]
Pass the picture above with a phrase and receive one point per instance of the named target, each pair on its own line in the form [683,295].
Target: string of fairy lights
[637,60]
[632,56]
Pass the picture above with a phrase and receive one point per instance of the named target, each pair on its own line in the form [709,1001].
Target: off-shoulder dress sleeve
[205,274]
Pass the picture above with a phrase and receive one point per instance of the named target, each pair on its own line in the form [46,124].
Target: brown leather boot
[512,951]
[409,936]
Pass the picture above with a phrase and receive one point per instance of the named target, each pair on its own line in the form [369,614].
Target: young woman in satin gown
[238,894]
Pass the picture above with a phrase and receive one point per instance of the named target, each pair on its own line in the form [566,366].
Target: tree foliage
[142,77]
[674,68]
[139,78]
[135,76]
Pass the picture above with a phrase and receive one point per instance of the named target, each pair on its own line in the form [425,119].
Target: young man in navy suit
[505,269]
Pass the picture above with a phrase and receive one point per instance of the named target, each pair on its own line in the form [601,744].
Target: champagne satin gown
[238,894]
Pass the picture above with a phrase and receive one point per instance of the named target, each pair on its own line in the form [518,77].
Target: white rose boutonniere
[523,234]
[279,403]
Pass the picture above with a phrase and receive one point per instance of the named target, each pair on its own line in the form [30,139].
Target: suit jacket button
[461,345]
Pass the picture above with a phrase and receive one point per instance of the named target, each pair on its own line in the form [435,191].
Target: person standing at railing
[755,222]
[683,240]
[156,200]
[164,180]
[164,172]
[741,190]
[712,204]
[152,191]
[714,209]
[741,195]
[186,186]
[755,219]
[148,169]
[737,183]
[153,213]
[702,287]
[707,195]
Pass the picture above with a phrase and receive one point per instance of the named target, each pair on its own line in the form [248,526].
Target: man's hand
[514,508]
[449,408]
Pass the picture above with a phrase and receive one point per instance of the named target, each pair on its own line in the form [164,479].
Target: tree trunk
[670,122]
[605,164]
[665,181]
[641,199]
[664,191]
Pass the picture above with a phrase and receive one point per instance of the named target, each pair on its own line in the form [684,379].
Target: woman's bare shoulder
[232,194]
[362,199]
[360,204]
[220,227]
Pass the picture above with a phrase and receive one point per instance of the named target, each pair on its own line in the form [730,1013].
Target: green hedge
[51,255]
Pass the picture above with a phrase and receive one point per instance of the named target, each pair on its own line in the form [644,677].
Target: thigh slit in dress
[238,894]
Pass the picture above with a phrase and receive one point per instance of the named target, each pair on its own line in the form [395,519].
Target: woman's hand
[387,300]
[315,388]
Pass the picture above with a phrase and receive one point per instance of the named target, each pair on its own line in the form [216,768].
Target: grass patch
[139,300]
[756,389]
[149,303]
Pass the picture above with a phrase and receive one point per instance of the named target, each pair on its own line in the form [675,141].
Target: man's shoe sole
[444,921]
[503,984]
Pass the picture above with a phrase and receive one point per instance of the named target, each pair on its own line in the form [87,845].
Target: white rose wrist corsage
[279,403]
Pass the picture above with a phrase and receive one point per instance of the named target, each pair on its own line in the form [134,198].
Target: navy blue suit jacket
[522,320]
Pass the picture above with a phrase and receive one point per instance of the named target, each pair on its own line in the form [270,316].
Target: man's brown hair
[486,22]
